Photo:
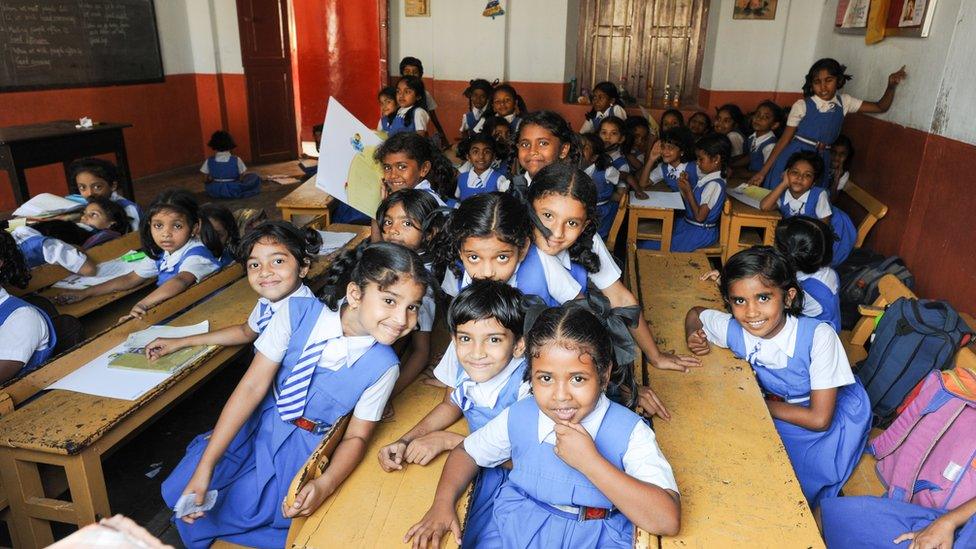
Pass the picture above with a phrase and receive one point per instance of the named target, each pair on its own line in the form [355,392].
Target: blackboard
[77,43]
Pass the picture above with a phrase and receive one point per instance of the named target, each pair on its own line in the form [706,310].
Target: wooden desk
[75,430]
[33,145]
[737,486]
[636,230]
[745,216]
[307,199]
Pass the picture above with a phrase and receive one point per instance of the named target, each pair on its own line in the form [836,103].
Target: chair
[718,249]
[874,208]
[618,221]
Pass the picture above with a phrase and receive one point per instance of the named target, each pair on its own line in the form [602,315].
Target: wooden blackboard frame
[105,83]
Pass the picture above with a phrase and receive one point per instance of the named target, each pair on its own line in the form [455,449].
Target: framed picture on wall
[755,9]
[910,18]
[852,16]
[417,8]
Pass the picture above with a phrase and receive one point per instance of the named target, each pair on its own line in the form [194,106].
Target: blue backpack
[913,338]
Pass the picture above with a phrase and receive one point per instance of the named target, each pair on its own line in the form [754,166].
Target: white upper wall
[199,36]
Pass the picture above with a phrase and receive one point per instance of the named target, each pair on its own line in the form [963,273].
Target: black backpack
[859,277]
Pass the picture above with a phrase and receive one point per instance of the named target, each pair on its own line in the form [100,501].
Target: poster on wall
[347,169]
[912,13]
[755,9]
[417,8]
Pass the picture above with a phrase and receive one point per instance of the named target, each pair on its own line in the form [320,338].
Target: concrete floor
[133,489]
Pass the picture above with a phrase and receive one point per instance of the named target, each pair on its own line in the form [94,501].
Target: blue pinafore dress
[689,234]
[227,181]
[840,222]
[490,184]
[691,168]
[868,522]
[166,273]
[489,480]
[7,308]
[829,301]
[817,130]
[530,277]
[756,156]
[524,513]
[606,207]
[254,474]
[402,123]
[33,250]
[823,461]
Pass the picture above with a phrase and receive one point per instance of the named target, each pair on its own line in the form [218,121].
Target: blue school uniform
[839,220]
[829,301]
[33,250]
[524,512]
[757,147]
[670,174]
[690,234]
[386,124]
[823,461]
[471,118]
[606,208]
[7,308]
[253,476]
[227,181]
[530,277]
[488,183]
[867,522]
[816,130]
[166,273]
[131,209]
[402,124]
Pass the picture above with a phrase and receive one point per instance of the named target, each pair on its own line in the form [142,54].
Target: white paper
[658,199]
[46,204]
[104,272]
[332,241]
[144,337]
[752,199]
[343,137]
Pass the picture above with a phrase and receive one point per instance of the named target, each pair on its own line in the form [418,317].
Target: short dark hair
[807,242]
[100,168]
[408,61]
[485,299]
[302,244]
[221,141]
[833,67]
[770,265]
[174,200]
[208,233]
[811,157]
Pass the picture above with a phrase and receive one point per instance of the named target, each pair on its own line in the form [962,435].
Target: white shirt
[464,117]
[490,446]
[799,109]
[428,308]
[22,334]
[481,123]
[221,156]
[420,117]
[765,143]
[829,367]
[196,265]
[476,181]
[612,175]
[829,278]
[340,352]
[429,97]
[842,182]
[713,189]
[797,205]
[613,110]
[562,286]
[55,252]
[609,271]
[737,141]
[657,174]
[614,155]
[449,371]
[132,210]
[255,316]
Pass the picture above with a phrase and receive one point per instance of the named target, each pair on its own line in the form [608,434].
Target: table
[638,231]
[745,216]
[74,431]
[737,486]
[33,145]
[307,199]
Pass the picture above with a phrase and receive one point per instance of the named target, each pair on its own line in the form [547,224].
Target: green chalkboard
[77,43]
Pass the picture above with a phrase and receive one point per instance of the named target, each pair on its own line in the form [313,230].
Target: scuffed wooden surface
[737,486]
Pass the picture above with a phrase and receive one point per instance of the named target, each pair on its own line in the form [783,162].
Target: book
[135,359]
[47,204]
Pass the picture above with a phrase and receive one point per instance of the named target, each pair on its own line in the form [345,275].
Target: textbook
[135,359]
[45,205]
[749,194]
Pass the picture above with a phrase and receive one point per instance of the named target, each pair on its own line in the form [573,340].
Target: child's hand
[198,485]
[309,498]
[138,311]
[711,275]
[651,403]
[574,445]
[70,296]
[939,534]
[896,77]
[422,450]
[391,456]
[162,346]
[757,179]
[655,151]
[672,361]
[698,342]
[683,183]
[640,195]
[431,529]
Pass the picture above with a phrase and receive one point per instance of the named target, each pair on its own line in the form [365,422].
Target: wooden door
[265,51]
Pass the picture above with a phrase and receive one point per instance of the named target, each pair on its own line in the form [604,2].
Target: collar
[3,294]
[466,278]
[826,106]
[86,227]
[221,156]
[423,186]
[486,392]
[403,110]
[708,178]
[798,201]
[339,350]
[590,170]
[784,341]
[484,175]
[606,113]
[477,112]
[759,140]
[591,422]
[168,259]
[510,117]
[301,291]
[615,154]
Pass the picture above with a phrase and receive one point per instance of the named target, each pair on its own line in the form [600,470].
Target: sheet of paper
[97,378]
[46,203]
[144,337]
[137,360]
[104,272]
[347,170]
[332,241]
[750,195]
[658,199]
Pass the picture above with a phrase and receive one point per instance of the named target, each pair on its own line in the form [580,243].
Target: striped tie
[294,391]
[461,392]
[265,317]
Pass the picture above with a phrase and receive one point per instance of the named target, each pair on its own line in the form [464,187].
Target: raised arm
[883,104]
[771,201]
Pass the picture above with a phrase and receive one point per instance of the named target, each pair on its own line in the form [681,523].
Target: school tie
[294,391]
[673,172]
[265,316]
[477,183]
[461,390]
[752,358]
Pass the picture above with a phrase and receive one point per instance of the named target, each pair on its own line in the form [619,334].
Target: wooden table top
[737,486]
[744,210]
[307,195]
[56,128]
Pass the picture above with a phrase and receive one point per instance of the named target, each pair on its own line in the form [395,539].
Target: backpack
[859,277]
[914,337]
[926,456]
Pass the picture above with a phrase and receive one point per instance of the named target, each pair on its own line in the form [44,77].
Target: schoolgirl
[477,92]
[606,102]
[807,243]
[27,335]
[676,153]
[225,175]
[98,177]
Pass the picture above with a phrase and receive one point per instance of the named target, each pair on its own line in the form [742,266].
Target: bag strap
[917,469]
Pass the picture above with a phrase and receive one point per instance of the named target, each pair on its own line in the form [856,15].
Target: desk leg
[769,234]
[122,161]
[18,183]
[732,246]
[87,485]
[667,229]
[22,482]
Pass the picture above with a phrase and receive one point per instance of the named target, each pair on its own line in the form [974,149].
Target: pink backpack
[928,454]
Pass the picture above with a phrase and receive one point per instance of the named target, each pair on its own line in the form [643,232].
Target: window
[648,46]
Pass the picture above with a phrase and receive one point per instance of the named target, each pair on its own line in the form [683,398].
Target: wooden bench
[737,486]
[74,431]
[45,275]
[308,200]
[874,209]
